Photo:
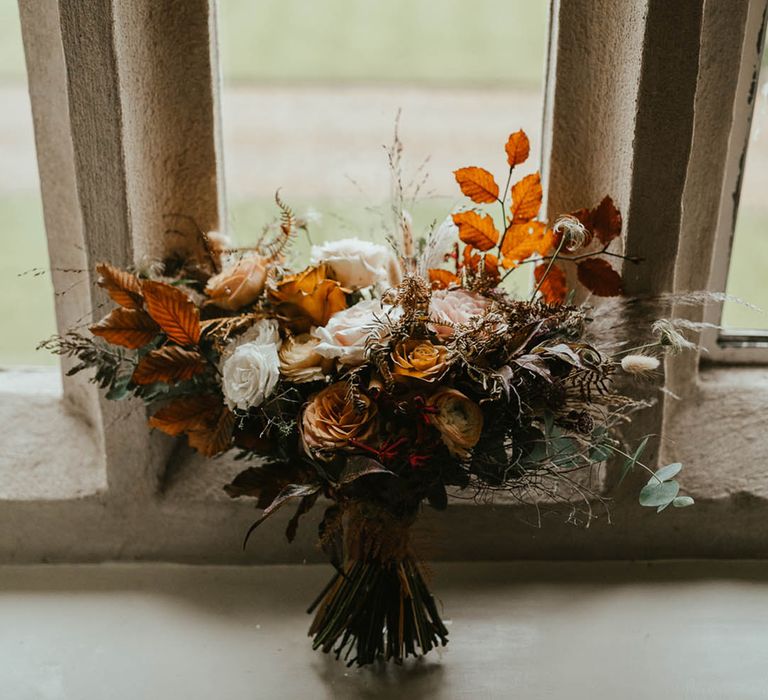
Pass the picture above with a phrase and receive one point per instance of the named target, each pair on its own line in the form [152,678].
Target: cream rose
[459,420]
[356,264]
[299,360]
[457,307]
[239,283]
[251,372]
[346,333]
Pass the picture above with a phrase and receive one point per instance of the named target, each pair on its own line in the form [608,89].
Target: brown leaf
[185,414]
[216,437]
[606,221]
[526,199]
[442,279]
[523,240]
[169,364]
[477,230]
[174,311]
[554,287]
[597,275]
[518,147]
[123,287]
[127,327]
[477,184]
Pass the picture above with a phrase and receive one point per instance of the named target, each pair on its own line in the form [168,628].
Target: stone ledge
[48,453]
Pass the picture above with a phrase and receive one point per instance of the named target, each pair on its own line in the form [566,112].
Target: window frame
[738,347]
[103,74]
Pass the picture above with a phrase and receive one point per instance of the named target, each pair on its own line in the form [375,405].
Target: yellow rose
[331,420]
[459,420]
[239,284]
[419,359]
[307,299]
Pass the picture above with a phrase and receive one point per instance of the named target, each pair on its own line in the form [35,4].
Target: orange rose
[459,420]
[419,359]
[331,420]
[307,299]
[239,284]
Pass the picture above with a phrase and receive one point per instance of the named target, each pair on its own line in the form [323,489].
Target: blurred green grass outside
[487,43]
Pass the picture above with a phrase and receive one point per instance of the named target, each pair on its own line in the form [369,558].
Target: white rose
[356,264]
[456,306]
[299,360]
[347,331]
[251,372]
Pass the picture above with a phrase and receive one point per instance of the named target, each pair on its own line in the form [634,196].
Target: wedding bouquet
[380,378]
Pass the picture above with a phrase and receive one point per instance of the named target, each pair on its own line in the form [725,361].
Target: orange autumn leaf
[169,364]
[214,437]
[123,287]
[185,414]
[477,230]
[130,328]
[597,275]
[477,184]
[442,279]
[553,287]
[491,265]
[518,147]
[606,221]
[523,240]
[174,311]
[526,199]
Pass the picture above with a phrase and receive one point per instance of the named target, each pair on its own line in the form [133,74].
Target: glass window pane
[748,273]
[312,90]
[26,296]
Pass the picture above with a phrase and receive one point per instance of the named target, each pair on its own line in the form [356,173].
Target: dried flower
[299,360]
[459,420]
[346,334]
[331,420]
[419,359]
[666,331]
[574,233]
[307,299]
[639,364]
[356,264]
[238,284]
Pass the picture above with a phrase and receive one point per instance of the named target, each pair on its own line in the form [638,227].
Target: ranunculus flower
[459,420]
[307,299]
[331,420]
[299,361]
[238,284]
[457,306]
[419,359]
[251,372]
[356,264]
[346,333]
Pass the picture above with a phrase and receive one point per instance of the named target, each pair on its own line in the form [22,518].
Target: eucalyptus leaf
[666,473]
[658,494]
[683,502]
[632,461]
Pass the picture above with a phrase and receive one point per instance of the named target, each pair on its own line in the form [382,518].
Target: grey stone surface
[633,631]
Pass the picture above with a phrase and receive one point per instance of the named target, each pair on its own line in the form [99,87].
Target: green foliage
[662,489]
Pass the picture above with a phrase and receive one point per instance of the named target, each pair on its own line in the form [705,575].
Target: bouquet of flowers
[382,378]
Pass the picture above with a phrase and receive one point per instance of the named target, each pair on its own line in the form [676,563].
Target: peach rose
[331,420]
[419,359]
[459,420]
[307,299]
[238,284]
[457,306]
